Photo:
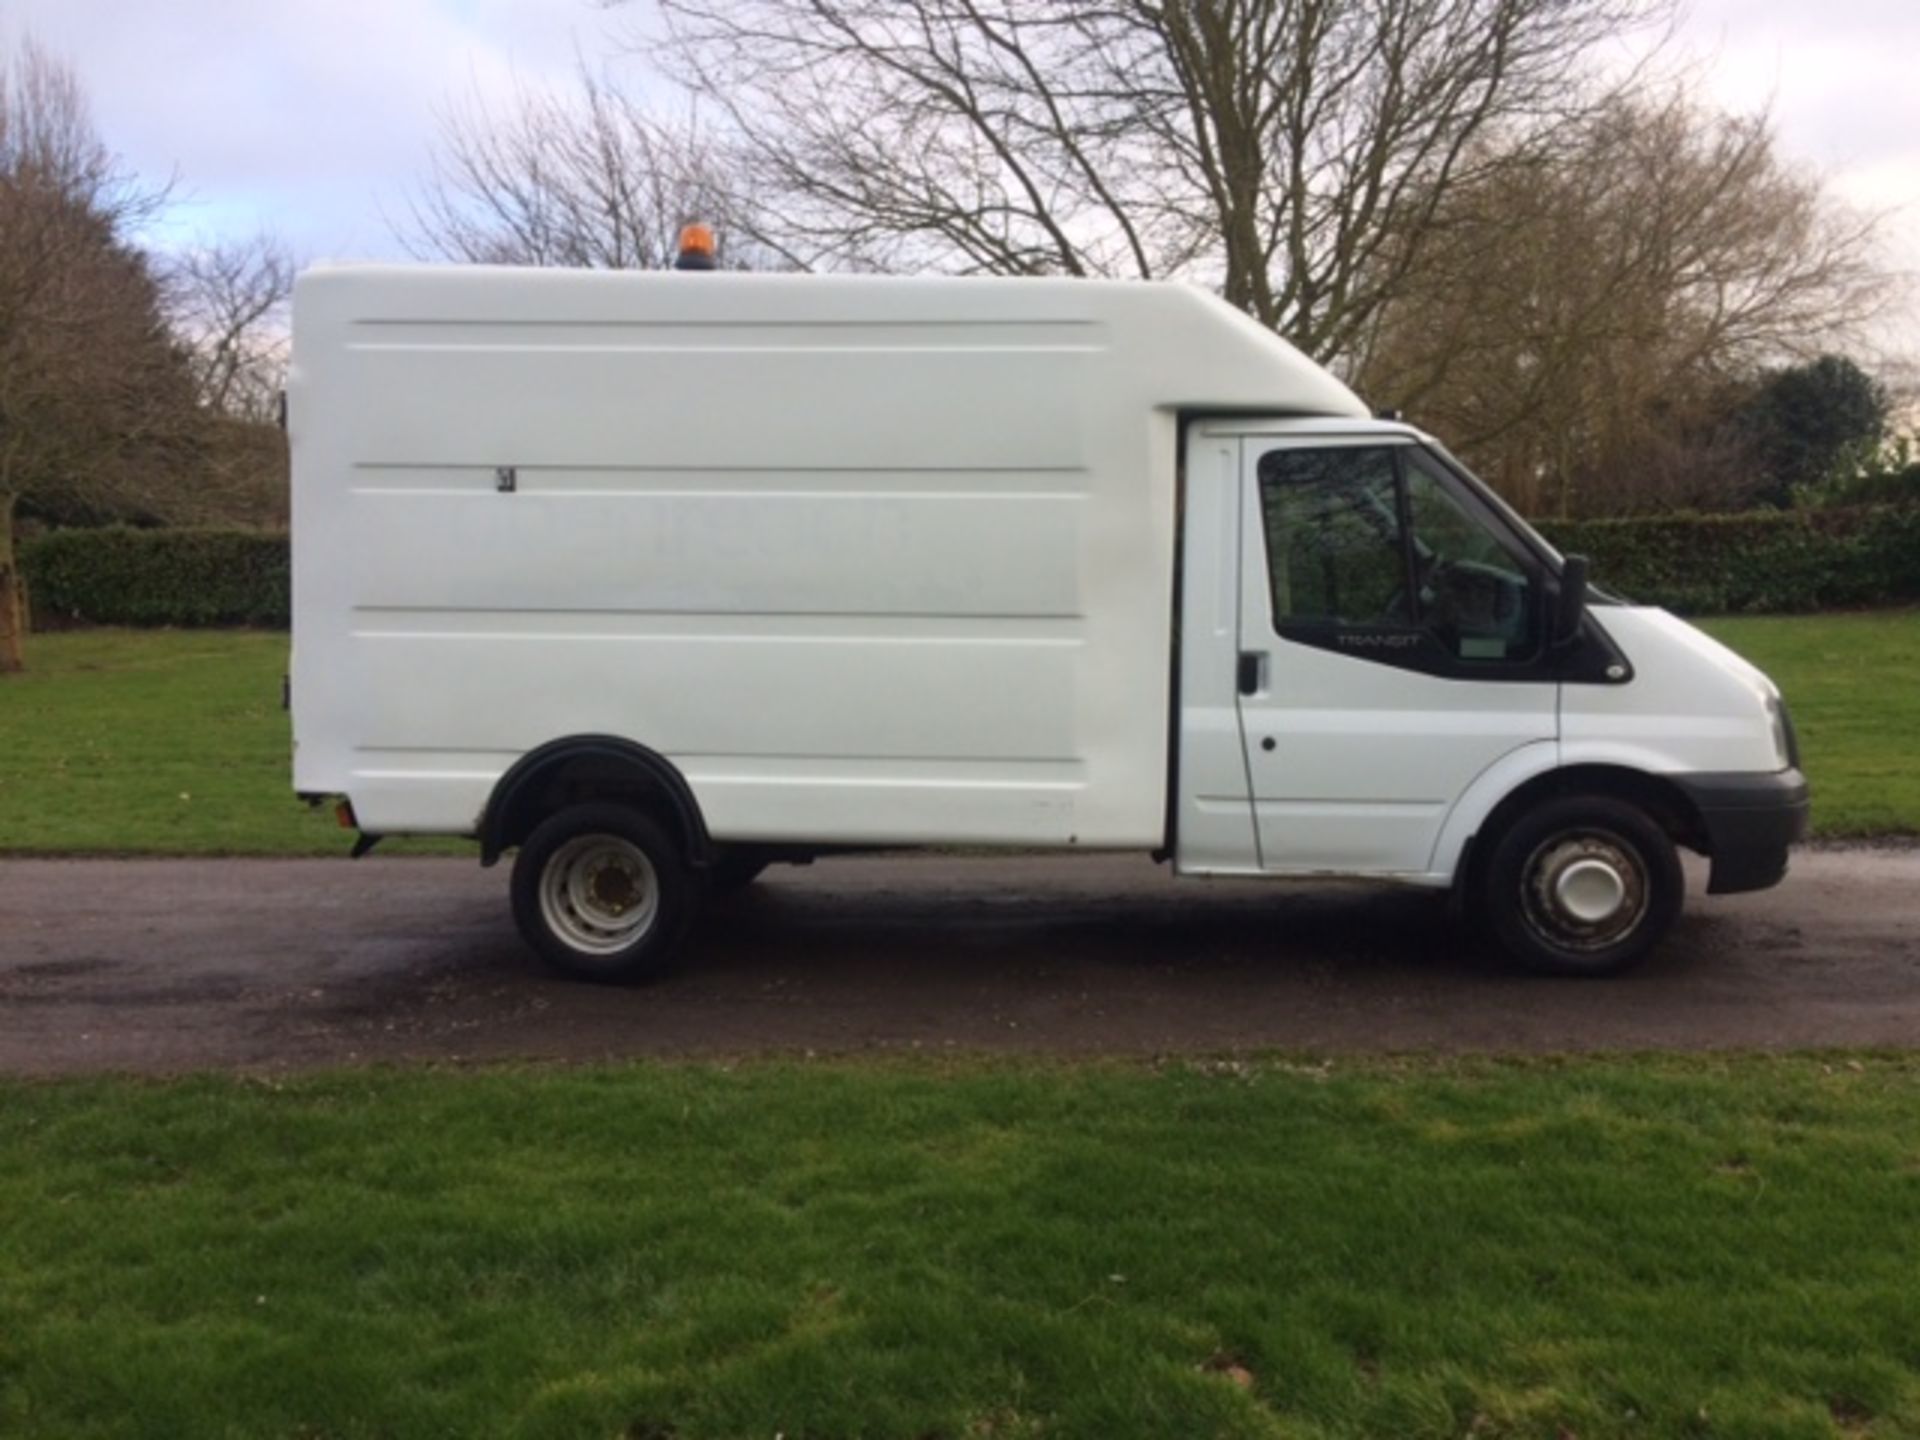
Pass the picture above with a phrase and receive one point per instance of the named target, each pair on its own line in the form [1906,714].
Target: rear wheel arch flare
[585,768]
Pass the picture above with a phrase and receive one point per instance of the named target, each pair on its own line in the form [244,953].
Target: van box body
[869,561]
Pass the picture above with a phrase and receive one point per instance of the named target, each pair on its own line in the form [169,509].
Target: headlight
[1786,745]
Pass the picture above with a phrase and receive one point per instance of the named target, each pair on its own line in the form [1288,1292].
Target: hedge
[1697,564]
[1763,561]
[121,576]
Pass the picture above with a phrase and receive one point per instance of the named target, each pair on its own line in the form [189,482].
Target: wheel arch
[583,768]
[1486,808]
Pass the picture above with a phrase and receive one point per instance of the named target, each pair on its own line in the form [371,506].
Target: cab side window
[1474,596]
[1372,551]
[1334,546]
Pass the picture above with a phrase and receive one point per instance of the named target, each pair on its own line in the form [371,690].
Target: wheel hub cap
[1585,891]
[1590,890]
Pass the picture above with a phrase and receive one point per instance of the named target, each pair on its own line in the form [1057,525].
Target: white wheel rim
[599,894]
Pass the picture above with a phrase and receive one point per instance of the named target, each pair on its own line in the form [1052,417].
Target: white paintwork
[1215,815]
[1368,758]
[883,561]
[1693,704]
[1387,772]
[870,560]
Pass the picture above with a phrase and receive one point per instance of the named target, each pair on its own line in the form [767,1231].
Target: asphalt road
[170,965]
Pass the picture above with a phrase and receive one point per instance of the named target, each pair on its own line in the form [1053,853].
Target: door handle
[1252,664]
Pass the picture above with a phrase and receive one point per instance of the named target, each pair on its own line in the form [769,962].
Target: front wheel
[1581,885]
[603,893]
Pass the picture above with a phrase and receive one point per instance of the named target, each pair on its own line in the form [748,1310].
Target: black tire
[604,861]
[1573,852]
[731,874]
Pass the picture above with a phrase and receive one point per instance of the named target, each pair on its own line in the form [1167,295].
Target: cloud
[1837,80]
[309,115]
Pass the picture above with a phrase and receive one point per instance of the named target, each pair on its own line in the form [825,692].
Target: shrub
[1756,562]
[1893,486]
[120,576]
[1760,561]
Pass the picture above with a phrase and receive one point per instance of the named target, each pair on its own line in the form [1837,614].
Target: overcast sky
[313,116]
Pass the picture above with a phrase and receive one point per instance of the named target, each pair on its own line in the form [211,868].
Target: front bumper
[1750,821]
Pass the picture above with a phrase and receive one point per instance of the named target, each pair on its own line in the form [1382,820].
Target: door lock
[1268,743]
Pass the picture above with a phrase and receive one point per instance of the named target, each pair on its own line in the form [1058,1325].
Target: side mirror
[1571,602]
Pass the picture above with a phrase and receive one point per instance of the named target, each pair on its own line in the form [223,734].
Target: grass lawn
[1852,683]
[174,741]
[1649,1247]
[154,742]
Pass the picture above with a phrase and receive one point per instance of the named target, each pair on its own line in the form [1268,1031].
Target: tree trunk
[13,598]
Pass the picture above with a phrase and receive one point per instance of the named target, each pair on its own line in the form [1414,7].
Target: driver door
[1392,639]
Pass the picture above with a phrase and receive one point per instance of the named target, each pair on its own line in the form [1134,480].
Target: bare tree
[1270,147]
[91,385]
[589,178]
[227,300]
[1579,319]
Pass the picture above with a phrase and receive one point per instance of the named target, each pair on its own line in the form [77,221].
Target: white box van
[659,578]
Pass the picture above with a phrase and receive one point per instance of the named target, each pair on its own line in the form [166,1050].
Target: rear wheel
[1581,885]
[602,892]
